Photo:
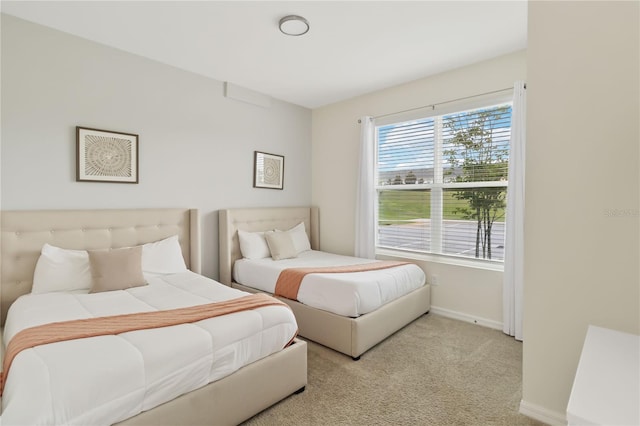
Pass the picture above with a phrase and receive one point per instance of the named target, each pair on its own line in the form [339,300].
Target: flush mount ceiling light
[294,25]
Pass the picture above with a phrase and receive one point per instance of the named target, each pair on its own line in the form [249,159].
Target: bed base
[237,397]
[354,336]
[350,336]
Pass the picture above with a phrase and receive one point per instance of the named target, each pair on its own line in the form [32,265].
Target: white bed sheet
[106,379]
[348,294]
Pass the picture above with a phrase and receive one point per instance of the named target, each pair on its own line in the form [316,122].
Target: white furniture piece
[606,389]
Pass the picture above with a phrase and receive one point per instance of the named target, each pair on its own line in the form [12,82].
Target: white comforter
[349,294]
[106,379]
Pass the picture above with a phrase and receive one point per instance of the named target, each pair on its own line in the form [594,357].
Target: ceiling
[352,47]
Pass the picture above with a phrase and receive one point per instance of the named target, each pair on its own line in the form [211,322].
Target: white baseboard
[542,414]
[466,317]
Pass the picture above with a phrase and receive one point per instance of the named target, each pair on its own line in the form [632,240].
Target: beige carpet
[435,371]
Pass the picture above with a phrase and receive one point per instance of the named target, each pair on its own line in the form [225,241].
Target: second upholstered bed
[350,323]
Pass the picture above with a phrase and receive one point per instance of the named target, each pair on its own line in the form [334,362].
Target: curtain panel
[514,233]
[365,193]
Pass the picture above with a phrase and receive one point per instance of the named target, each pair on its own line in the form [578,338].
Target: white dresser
[606,389]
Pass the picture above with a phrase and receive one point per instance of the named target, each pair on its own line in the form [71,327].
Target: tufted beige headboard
[260,219]
[25,232]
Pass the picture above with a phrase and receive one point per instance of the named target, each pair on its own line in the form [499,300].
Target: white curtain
[514,234]
[365,193]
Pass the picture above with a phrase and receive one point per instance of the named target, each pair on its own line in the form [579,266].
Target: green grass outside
[400,206]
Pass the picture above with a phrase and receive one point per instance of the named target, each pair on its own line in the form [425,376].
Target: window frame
[437,112]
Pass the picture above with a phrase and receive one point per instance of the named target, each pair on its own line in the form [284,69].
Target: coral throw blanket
[290,279]
[117,324]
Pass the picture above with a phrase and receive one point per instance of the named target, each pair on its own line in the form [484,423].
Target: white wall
[582,188]
[476,293]
[196,146]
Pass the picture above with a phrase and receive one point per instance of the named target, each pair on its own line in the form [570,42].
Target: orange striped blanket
[117,324]
[289,280]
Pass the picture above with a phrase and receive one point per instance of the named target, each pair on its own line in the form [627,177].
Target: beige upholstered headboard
[260,219]
[25,232]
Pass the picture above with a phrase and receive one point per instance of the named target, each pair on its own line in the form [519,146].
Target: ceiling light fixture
[294,25]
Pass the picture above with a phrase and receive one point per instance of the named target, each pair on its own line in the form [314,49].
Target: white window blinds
[442,181]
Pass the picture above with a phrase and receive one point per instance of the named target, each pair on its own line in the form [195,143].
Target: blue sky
[415,139]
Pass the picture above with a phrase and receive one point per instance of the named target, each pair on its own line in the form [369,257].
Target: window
[442,183]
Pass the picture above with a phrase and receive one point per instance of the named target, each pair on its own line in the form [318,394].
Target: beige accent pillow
[116,269]
[281,245]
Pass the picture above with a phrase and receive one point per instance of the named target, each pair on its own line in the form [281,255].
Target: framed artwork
[106,156]
[268,170]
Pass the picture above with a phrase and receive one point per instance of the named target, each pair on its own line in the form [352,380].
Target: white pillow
[300,238]
[163,257]
[253,245]
[281,245]
[60,269]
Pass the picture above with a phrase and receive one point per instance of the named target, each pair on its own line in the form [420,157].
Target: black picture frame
[268,170]
[106,156]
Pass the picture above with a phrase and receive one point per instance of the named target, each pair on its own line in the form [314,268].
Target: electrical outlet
[434,279]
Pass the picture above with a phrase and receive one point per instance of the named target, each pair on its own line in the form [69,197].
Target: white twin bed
[219,370]
[346,311]
[347,294]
